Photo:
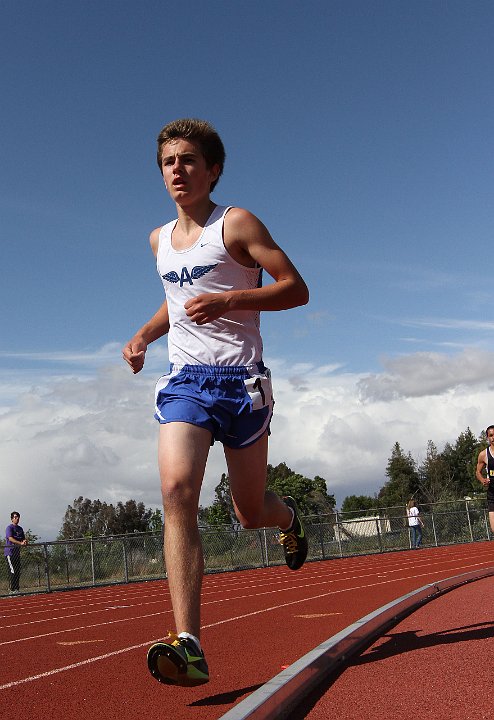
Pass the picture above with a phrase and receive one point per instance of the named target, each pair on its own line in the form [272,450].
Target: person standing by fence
[415,523]
[15,539]
[486,460]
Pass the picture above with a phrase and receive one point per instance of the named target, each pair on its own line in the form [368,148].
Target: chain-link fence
[104,560]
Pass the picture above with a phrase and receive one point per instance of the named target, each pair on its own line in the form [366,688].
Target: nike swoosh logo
[192,658]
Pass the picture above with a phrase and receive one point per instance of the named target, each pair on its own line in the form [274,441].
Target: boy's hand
[134,353]
[206,307]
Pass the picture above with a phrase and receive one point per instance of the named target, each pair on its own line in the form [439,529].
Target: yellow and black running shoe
[178,661]
[294,540]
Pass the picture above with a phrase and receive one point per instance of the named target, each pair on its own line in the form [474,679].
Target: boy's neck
[197,215]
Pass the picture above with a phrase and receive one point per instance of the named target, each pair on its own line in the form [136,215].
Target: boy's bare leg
[491,521]
[183,451]
[254,506]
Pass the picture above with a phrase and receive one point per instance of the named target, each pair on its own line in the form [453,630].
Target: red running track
[435,663]
[82,653]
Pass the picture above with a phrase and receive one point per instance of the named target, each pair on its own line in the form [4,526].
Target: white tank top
[207,267]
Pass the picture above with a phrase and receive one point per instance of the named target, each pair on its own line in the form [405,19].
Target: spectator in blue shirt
[15,539]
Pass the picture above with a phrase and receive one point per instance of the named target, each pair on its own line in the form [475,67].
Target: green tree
[92,517]
[130,517]
[202,515]
[323,502]
[403,480]
[218,515]
[311,495]
[31,537]
[434,476]
[356,505]
[85,517]
[461,459]
[221,512]
[155,523]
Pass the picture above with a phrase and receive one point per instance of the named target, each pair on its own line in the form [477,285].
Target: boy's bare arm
[135,350]
[480,466]
[249,241]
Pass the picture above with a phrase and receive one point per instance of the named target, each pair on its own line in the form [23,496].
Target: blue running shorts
[234,403]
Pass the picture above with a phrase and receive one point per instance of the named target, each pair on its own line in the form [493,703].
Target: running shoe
[294,541]
[178,661]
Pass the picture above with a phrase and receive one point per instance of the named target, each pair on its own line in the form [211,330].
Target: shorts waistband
[220,370]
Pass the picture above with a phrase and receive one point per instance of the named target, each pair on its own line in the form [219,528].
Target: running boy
[211,260]
[486,460]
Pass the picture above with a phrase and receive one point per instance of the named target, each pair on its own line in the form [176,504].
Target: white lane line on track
[357,566]
[333,578]
[74,606]
[343,573]
[79,664]
[83,627]
[162,612]
[298,586]
[65,617]
[317,615]
[77,642]
[340,574]
[89,661]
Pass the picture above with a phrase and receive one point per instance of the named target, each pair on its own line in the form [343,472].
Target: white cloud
[101,357]
[427,373]
[95,435]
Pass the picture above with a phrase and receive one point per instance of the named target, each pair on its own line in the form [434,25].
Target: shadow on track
[225,698]
[407,641]
[389,646]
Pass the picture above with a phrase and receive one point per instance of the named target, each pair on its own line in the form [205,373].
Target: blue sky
[359,132]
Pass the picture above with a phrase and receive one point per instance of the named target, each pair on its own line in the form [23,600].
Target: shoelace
[173,637]
[289,541]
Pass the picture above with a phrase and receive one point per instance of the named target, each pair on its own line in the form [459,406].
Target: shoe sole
[293,505]
[169,668]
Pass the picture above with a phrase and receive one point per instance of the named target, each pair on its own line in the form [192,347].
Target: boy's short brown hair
[203,133]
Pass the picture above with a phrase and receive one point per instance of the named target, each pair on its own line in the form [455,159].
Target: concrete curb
[276,698]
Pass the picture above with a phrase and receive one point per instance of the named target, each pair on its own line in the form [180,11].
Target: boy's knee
[178,496]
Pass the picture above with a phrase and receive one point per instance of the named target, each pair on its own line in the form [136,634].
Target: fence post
[261,547]
[434,528]
[486,525]
[265,546]
[125,562]
[337,532]
[321,538]
[92,561]
[67,563]
[379,538]
[469,522]
[231,535]
[47,567]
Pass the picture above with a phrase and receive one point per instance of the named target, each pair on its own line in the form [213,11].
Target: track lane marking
[98,658]
[333,577]
[77,642]
[365,564]
[83,627]
[297,587]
